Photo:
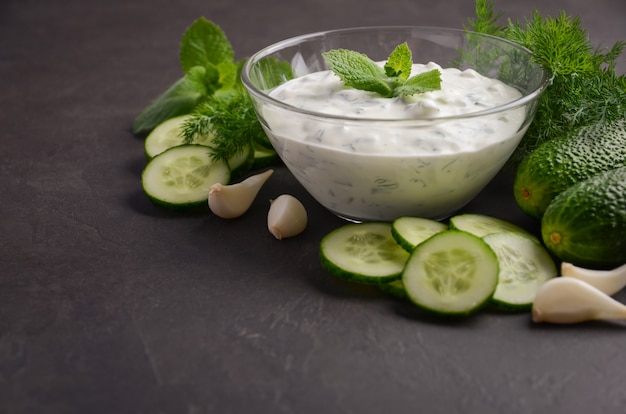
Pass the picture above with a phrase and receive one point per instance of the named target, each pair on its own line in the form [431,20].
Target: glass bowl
[374,167]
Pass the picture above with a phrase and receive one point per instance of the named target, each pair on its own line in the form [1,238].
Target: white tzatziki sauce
[384,169]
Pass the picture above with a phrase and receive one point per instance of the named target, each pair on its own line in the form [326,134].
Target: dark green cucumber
[560,163]
[586,224]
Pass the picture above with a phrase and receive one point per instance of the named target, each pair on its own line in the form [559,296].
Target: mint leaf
[399,62]
[206,57]
[358,71]
[228,74]
[202,79]
[178,99]
[204,43]
[423,82]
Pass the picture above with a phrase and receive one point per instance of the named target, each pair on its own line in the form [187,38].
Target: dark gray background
[111,305]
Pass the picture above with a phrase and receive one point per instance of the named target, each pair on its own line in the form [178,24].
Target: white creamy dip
[382,169]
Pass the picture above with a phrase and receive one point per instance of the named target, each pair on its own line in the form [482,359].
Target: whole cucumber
[559,163]
[586,224]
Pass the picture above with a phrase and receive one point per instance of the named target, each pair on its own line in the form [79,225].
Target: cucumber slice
[363,252]
[408,232]
[168,134]
[481,225]
[242,162]
[264,157]
[453,273]
[525,266]
[394,288]
[180,177]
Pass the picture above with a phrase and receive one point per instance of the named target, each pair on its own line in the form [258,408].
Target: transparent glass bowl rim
[293,41]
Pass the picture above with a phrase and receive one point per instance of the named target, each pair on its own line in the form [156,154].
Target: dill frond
[197,125]
[486,20]
[584,88]
[230,122]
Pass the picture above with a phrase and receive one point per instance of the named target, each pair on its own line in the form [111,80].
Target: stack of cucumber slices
[178,174]
[451,269]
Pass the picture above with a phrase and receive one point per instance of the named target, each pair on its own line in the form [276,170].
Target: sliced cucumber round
[394,288]
[181,176]
[525,266]
[408,232]
[482,225]
[241,162]
[363,252]
[453,273]
[264,157]
[166,135]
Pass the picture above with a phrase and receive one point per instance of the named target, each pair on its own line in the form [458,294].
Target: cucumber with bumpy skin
[453,273]
[560,163]
[586,224]
[363,252]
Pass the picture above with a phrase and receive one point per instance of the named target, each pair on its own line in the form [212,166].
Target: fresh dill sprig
[559,44]
[231,123]
[486,20]
[584,88]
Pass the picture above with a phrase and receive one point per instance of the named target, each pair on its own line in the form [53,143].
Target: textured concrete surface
[109,304]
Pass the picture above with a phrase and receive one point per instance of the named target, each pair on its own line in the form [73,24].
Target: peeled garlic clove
[608,281]
[569,300]
[287,217]
[230,201]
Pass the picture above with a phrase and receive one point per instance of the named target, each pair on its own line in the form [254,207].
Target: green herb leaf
[206,57]
[420,83]
[211,91]
[486,20]
[232,122]
[202,79]
[560,44]
[204,43]
[584,88]
[228,75]
[400,62]
[358,71]
[178,99]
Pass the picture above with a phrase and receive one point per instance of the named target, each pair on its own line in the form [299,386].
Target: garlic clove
[287,217]
[569,300]
[608,281]
[231,201]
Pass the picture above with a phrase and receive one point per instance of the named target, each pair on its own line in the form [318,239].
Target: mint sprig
[207,60]
[358,71]
[204,44]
